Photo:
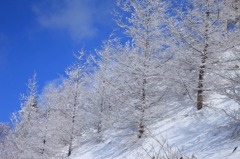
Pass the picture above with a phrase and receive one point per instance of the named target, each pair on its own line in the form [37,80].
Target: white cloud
[81,18]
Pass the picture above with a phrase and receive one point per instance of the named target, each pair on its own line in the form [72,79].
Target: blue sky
[41,36]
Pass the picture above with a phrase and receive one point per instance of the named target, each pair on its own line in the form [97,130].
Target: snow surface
[207,134]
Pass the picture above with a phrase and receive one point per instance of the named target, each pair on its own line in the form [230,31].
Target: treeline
[176,52]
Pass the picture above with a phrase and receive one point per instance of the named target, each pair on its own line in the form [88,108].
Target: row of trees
[188,50]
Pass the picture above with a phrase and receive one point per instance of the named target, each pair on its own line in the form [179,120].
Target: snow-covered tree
[51,121]
[4,132]
[30,107]
[69,115]
[138,65]
[230,85]
[202,46]
[26,135]
[101,94]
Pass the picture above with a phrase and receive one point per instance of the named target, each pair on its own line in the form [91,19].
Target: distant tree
[65,112]
[27,132]
[30,105]
[70,107]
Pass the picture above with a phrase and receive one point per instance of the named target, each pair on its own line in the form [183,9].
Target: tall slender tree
[27,133]
[204,39]
[143,62]
[72,96]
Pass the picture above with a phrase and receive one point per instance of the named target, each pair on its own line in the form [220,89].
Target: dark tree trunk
[99,128]
[45,133]
[70,149]
[141,124]
[144,82]
[75,104]
[204,55]
[43,149]
[72,130]
[200,86]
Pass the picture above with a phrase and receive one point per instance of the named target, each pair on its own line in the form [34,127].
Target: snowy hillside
[170,90]
[206,134]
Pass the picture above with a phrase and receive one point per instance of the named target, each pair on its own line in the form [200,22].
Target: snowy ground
[206,134]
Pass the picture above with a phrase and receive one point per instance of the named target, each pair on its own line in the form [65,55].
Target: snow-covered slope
[207,134]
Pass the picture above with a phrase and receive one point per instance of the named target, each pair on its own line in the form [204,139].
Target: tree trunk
[43,149]
[75,104]
[200,85]
[202,68]
[70,149]
[141,124]
[99,128]
[72,131]
[146,64]
[45,133]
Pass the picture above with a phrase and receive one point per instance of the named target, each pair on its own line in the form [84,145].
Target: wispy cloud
[80,18]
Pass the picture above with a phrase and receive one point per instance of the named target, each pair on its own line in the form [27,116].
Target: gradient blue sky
[42,35]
